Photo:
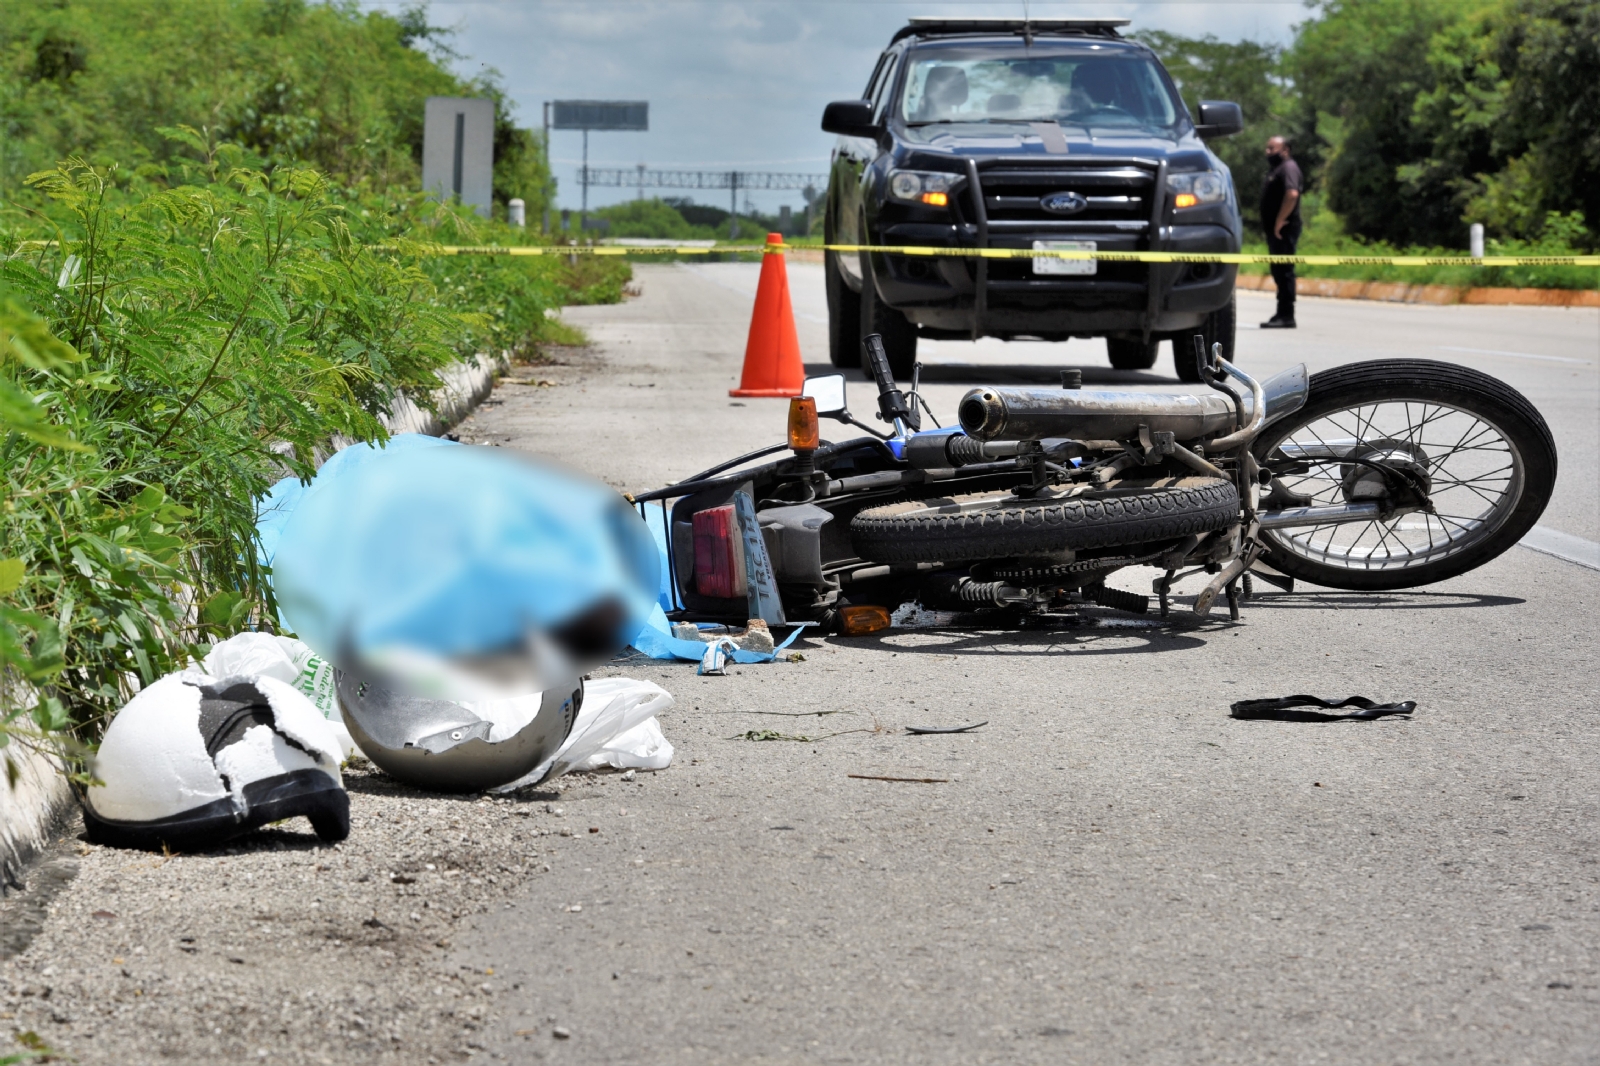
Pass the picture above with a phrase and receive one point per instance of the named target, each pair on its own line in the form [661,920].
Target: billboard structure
[589,115]
[732,180]
[458,150]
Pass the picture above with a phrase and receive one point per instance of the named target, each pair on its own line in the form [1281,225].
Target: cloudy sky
[738,85]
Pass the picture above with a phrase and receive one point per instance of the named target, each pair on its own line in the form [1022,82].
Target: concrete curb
[30,811]
[466,385]
[1400,292]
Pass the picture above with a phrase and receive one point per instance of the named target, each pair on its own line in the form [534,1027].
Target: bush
[1324,235]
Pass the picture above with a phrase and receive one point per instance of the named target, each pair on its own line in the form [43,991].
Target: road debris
[905,780]
[921,730]
[1282,709]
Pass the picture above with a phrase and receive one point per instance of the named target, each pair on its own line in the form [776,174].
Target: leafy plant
[172,343]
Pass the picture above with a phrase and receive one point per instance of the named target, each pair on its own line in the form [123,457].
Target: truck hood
[980,140]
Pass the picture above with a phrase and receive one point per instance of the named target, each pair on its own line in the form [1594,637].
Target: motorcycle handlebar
[891,401]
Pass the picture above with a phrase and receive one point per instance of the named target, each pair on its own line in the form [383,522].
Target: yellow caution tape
[1238,258]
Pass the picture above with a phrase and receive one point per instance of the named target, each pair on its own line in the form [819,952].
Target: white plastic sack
[616,727]
[288,660]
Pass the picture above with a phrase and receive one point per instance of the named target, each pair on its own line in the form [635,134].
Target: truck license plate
[1047,265]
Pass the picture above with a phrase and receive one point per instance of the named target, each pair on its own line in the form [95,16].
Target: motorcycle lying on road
[1378,475]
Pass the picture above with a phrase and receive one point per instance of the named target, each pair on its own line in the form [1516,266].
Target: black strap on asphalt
[1282,709]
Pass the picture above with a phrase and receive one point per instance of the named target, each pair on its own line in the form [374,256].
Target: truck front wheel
[1218,328]
[1132,354]
[844,316]
[898,333]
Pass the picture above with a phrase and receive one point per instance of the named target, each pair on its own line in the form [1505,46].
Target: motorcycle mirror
[828,392]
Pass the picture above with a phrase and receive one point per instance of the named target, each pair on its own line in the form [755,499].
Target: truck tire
[998,525]
[1218,328]
[1132,354]
[899,335]
[844,316]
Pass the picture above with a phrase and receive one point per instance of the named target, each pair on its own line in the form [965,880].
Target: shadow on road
[1376,601]
[1010,374]
[1084,640]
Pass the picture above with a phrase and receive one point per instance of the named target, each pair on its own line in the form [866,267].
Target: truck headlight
[1197,187]
[922,186]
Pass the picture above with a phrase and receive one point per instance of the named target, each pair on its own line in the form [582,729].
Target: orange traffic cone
[772,365]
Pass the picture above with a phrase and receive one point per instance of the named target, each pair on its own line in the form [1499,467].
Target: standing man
[1280,216]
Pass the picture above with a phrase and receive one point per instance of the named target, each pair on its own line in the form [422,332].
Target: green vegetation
[325,85]
[1413,120]
[1324,235]
[228,271]
[171,344]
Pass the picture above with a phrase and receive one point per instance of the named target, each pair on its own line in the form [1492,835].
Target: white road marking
[1514,355]
[1563,546]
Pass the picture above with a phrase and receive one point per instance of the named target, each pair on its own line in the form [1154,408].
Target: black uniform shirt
[1280,179]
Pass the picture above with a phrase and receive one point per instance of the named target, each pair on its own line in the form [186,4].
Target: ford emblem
[1064,203]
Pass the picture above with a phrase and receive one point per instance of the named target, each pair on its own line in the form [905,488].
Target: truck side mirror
[849,118]
[1219,118]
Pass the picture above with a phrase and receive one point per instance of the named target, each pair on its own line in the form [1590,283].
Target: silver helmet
[453,746]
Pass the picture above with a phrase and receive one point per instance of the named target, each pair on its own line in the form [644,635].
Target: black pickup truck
[1038,134]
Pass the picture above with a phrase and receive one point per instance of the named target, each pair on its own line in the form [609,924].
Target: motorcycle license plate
[1050,265]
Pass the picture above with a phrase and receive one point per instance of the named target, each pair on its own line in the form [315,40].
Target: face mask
[1273,159]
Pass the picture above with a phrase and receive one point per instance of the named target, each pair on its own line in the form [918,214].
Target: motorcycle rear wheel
[1487,453]
[999,525]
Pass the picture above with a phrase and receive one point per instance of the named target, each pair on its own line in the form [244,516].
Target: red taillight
[718,554]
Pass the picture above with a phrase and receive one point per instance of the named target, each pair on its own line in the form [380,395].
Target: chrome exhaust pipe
[1291,517]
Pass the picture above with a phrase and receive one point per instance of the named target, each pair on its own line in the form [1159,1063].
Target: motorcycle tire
[998,525]
[1454,404]
[844,316]
[1220,327]
[1132,354]
[898,333]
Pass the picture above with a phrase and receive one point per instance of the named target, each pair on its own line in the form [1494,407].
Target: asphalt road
[1113,871]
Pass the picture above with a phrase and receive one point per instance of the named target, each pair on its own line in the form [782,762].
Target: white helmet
[193,760]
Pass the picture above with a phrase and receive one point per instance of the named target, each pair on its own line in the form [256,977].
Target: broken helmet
[195,760]
[457,745]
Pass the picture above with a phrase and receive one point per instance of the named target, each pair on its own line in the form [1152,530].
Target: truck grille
[1117,200]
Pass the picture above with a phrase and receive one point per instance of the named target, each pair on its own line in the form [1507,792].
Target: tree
[296,83]
[1546,122]
[1358,70]
[1205,68]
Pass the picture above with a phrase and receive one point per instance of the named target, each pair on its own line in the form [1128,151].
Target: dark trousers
[1283,273]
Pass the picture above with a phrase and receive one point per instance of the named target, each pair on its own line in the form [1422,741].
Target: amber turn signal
[936,199]
[1187,199]
[803,433]
[859,621]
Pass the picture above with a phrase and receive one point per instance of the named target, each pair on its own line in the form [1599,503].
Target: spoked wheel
[1478,449]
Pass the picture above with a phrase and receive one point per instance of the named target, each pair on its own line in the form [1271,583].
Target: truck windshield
[1094,91]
